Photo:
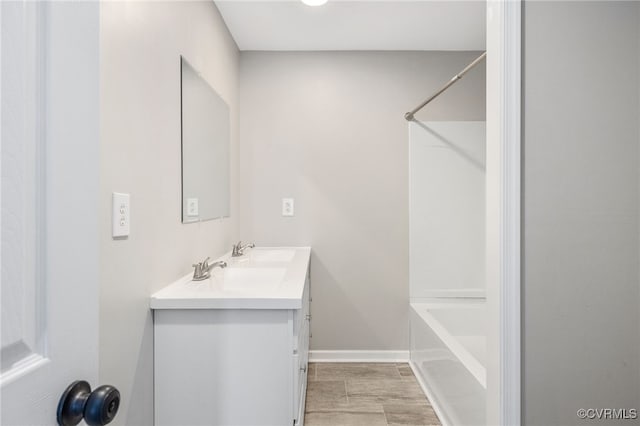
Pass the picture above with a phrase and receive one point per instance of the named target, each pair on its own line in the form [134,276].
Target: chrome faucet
[203,269]
[238,249]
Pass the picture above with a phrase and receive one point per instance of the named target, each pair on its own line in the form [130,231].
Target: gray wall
[580,281]
[327,129]
[141,44]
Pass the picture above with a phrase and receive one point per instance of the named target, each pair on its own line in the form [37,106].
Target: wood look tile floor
[363,394]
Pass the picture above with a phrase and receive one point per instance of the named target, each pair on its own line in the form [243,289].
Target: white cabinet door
[49,138]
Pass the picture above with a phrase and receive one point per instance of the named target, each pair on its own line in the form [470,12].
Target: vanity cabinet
[232,366]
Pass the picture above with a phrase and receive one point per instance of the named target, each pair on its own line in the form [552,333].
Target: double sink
[262,278]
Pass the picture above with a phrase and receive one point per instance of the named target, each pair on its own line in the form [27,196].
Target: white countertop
[283,282]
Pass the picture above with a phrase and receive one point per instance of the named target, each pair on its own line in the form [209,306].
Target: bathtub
[448,349]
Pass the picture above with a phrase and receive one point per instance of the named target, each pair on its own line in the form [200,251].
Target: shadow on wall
[464,154]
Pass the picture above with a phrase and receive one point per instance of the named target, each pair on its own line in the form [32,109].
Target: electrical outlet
[192,207]
[121,215]
[287,207]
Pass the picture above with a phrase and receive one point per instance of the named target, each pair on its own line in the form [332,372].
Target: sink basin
[273,255]
[248,279]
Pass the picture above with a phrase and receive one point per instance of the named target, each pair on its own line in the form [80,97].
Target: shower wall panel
[447,209]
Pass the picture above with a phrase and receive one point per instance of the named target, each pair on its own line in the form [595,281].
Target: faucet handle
[197,273]
[235,251]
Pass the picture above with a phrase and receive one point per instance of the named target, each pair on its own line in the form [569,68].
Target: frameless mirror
[205,148]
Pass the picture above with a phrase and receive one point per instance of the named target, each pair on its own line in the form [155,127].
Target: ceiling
[356,25]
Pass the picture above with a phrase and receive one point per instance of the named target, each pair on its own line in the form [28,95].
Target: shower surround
[447,267]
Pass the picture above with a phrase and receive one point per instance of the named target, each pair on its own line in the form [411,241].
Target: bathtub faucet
[203,269]
[238,249]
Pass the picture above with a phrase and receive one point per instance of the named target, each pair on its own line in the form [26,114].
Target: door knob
[78,402]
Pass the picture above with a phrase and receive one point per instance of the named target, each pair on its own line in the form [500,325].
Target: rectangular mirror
[205,148]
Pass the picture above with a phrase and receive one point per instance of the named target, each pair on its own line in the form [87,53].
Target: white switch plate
[287,207]
[192,207]
[121,215]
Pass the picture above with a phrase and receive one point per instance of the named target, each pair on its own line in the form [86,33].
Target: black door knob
[97,408]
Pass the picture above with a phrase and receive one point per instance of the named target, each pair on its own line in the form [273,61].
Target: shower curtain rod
[409,116]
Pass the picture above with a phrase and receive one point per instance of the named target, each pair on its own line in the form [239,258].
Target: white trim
[358,356]
[432,400]
[510,340]
[503,214]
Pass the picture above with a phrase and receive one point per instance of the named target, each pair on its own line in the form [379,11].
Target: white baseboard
[358,356]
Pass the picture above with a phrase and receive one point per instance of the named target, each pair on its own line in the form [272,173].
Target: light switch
[192,207]
[121,217]
[287,207]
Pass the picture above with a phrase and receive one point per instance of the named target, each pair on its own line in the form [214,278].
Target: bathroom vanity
[233,349]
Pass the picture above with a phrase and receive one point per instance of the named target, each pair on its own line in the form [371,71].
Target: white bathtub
[448,349]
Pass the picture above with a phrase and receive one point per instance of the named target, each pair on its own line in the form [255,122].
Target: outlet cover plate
[287,206]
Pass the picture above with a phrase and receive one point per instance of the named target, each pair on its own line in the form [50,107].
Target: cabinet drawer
[301,319]
[299,386]
[302,340]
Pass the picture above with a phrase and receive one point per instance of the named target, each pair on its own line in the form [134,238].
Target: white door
[50,175]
